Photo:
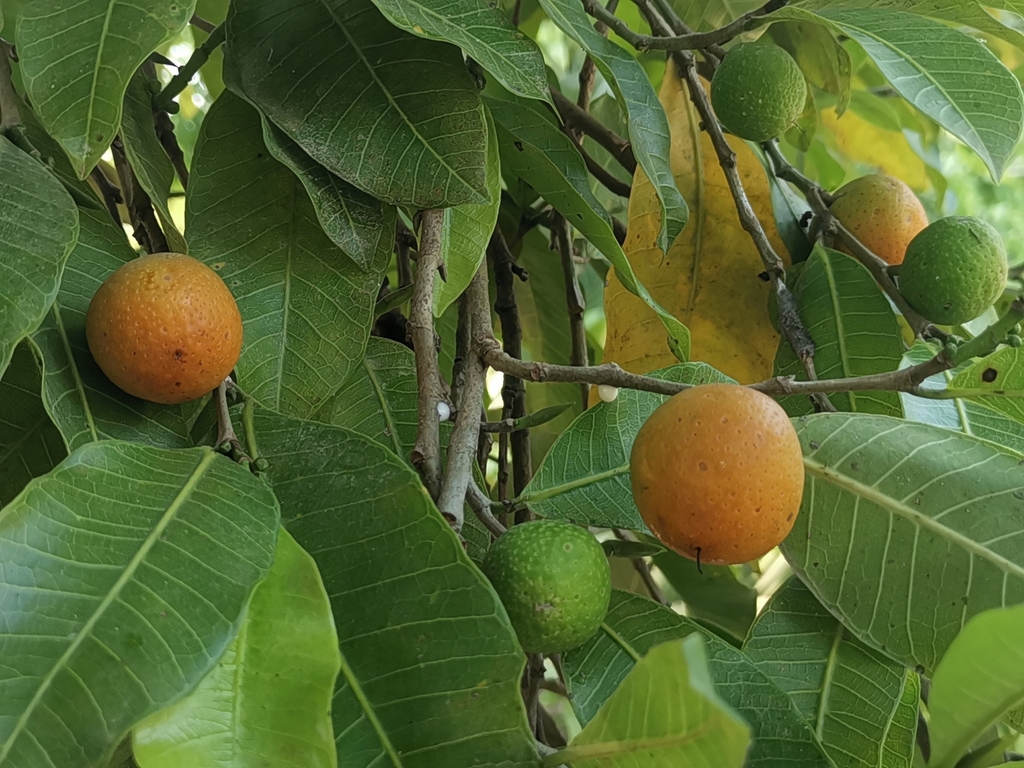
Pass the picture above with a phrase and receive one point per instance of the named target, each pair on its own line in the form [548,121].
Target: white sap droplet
[607,392]
[444,412]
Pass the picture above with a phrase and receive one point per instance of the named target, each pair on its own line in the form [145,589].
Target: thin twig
[10,109]
[612,184]
[165,99]
[481,506]
[577,119]
[426,454]
[530,687]
[109,192]
[643,570]
[199,22]
[462,444]
[165,132]
[562,241]
[405,244]
[140,209]
[227,439]
[588,72]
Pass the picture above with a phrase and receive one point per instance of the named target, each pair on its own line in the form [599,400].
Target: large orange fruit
[165,328]
[717,473]
[882,212]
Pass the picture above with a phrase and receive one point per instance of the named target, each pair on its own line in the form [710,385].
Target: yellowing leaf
[867,143]
[709,279]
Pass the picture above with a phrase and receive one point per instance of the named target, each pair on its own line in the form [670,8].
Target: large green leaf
[395,115]
[38,229]
[268,700]
[585,477]
[854,331]
[77,58]
[84,404]
[535,148]
[689,725]
[849,693]
[364,228]
[978,680]
[648,125]
[972,416]
[306,307]
[466,231]
[948,75]
[906,530]
[634,625]
[1002,374]
[30,445]
[379,398]
[147,156]
[430,666]
[126,571]
[483,31]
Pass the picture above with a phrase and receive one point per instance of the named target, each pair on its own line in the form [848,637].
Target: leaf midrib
[113,593]
[368,710]
[90,421]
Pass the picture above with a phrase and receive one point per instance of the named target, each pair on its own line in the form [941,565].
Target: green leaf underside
[979,679]
[634,625]
[849,693]
[430,666]
[946,74]
[1002,374]
[854,330]
[906,530]
[395,115]
[38,229]
[585,476]
[81,400]
[533,147]
[689,726]
[146,155]
[306,307]
[648,125]
[483,31]
[30,445]
[126,570]
[466,232]
[268,700]
[362,227]
[76,60]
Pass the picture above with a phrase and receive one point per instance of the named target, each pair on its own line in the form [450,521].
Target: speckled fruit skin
[954,269]
[882,212]
[718,470]
[554,581]
[758,91]
[165,328]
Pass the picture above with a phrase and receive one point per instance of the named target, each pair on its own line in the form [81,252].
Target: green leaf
[146,155]
[466,232]
[648,125]
[483,31]
[76,61]
[1002,375]
[690,725]
[972,416]
[268,700]
[946,74]
[849,693]
[854,330]
[364,228]
[430,665]
[901,741]
[980,677]
[306,307]
[84,404]
[126,571]
[535,148]
[906,530]
[585,477]
[38,229]
[379,399]
[634,625]
[395,115]
[30,445]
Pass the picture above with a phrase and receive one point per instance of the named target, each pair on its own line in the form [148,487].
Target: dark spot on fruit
[789,517]
[989,375]
[178,354]
[703,466]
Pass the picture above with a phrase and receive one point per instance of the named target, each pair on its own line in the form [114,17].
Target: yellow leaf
[709,279]
[867,143]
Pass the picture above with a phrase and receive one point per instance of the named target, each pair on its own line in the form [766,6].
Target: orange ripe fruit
[717,473]
[165,328]
[882,212]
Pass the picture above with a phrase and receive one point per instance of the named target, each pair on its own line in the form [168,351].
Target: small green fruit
[554,581]
[758,91]
[954,269]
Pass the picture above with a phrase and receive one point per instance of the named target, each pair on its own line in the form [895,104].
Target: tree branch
[165,99]
[481,506]
[140,209]
[584,122]
[109,192]
[575,305]
[426,454]
[199,22]
[612,184]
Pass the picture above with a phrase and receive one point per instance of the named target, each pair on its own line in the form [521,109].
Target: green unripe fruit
[554,581]
[758,91]
[954,269]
